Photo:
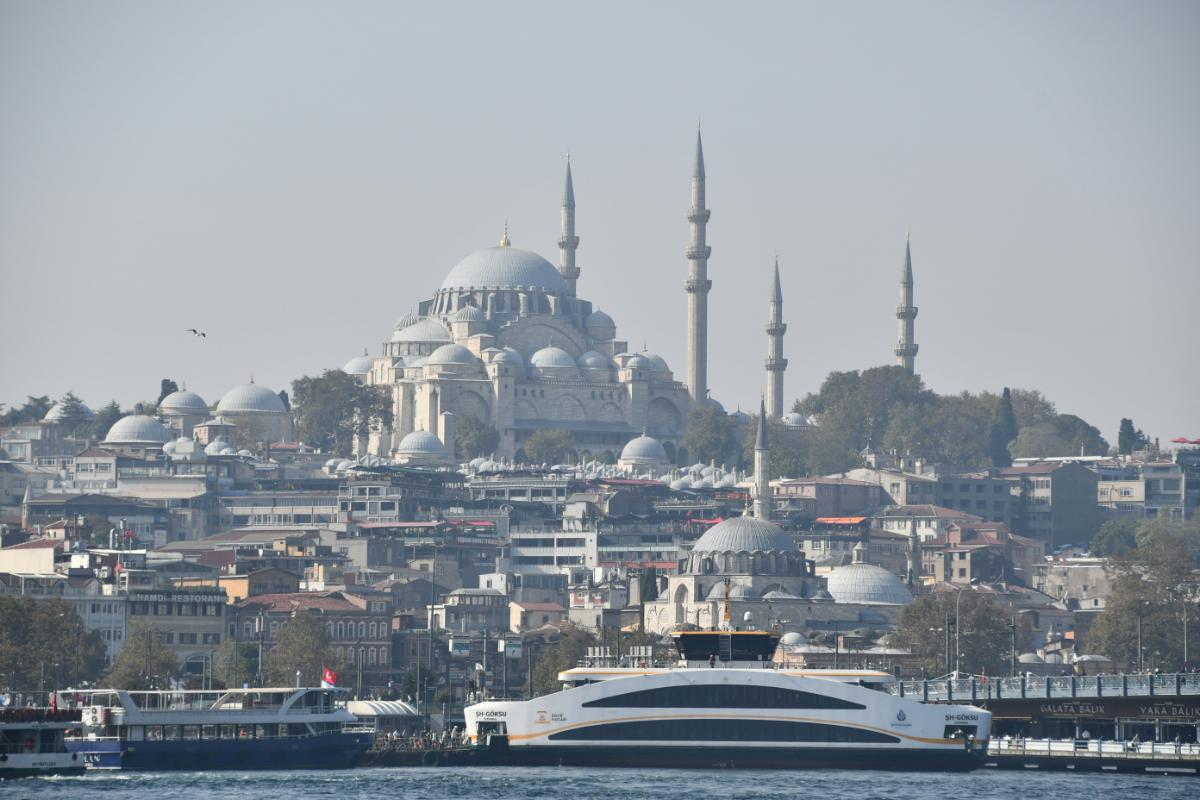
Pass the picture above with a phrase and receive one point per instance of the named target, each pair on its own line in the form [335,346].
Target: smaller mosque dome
[406,321]
[55,413]
[359,365]
[713,403]
[657,363]
[250,398]
[552,357]
[794,420]
[510,355]
[867,584]
[600,326]
[452,355]
[642,450]
[468,314]
[137,429]
[219,447]
[681,484]
[793,639]
[594,360]
[423,332]
[419,444]
[183,402]
[638,362]
[740,417]
[736,592]
[744,533]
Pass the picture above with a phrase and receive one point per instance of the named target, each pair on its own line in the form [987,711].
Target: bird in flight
[195,332]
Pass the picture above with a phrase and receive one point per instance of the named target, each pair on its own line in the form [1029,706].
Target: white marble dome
[359,365]
[421,444]
[552,357]
[250,398]
[867,584]
[594,360]
[643,450]
[600,326]
[468,314]
[452,355]
[657,363]
[407,320]
[56,412]
[748,534]
[183,402]
[423,332]
[505,267]
[137,429]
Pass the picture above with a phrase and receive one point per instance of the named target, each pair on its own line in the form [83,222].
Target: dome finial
[252,377]
[504,242]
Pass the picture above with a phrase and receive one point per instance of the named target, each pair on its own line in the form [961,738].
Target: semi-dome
[511,356]
[552,357]
[409,319]
[250,398]
[736,592]
[637,362]
[137,429]
[657,363]
[868,584]
[183,402]
[505,267]
[643,449]
[744,533]
[359,365]
[468,313]
[594,360]
[421,443]
[600,326]
[425,331]
[449,355]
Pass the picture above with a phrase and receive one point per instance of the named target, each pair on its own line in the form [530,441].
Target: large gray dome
[644,449]
[137,429]
[868,584]
[505,268]
[183,402]
[250,398]
[421,443]
[744,533]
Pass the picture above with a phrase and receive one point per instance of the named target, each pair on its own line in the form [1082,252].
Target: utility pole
[1012,647]
[947,629]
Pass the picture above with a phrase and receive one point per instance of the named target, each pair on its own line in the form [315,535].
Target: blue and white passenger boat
[239,729]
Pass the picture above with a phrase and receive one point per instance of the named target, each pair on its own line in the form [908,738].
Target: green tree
[106,417]
[982,636]
[551,658]
[334,408]
[1031,407]
[143,662]
[165,387]
[37,635]
[1115,537]
[1130,440]
[1003,430]
[73,417]
[547,446]
[474,437]
[33,410]
[711,435]
[303,644]
[787,452]
[236,663]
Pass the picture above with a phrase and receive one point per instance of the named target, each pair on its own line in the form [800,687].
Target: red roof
[840,520]
[36,544]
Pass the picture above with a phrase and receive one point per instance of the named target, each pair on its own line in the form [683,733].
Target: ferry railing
[1093,748]
[978,688]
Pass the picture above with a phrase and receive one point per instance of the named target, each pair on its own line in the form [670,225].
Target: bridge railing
[977,688]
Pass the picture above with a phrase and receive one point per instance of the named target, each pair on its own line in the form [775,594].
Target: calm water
[600,784]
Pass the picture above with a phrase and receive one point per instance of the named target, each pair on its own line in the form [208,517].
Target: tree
[303,644]
[46,638]
[283,398]
[1039,441]
[711,436]
[143,662]
[474,437]
[73,417]
[787,452]
[1115,537]
[333,409]
[554,657]
[145,407]
[982,640]
[33,410]
[165,387]
[236,663]
[1130,440]
[1003,430]
[547,446]
[106,417]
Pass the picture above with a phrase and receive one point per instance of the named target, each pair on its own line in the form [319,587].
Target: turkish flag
[328,678]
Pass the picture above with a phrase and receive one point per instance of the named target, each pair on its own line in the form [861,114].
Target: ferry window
[208,732]
[170,733]
[228,732]
[191,733]
[721,695]
[154,733]
[958,731]
[724,730]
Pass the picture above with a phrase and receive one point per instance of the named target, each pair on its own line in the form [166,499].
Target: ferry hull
[21,765]
[333,751]
[956,760]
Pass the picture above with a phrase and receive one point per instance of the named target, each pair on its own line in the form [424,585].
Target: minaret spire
[906,312]
[698,285]
[762,478]
[569,241]
[776,363]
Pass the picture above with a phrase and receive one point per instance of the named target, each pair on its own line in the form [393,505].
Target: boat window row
[195,733]
[687,729]
[722,695]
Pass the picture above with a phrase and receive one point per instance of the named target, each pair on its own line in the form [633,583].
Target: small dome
[169,448]
[505,267]
[421,443]
[867,584]
[643,449]
[511,356]
[468,314]
[594,360]
[552,358]
[137,429]
[217,447]
[792,638]
[452,355]
[406,321]
[359,365]
[744,533]
[657,364]
[736,592]
[637,362]
[739,417]
[424,332]
[1030,658]
[250,398]
[600,326]
[56,412]
[794,420]
[331,463]
[183,402]
[712,403]
[682,484]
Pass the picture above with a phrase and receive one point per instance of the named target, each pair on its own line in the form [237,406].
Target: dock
[1145,758]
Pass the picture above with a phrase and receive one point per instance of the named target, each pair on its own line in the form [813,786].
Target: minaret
[762,479]
[906,350]
[698,284]
[569,241]
[914,553]
[776,363]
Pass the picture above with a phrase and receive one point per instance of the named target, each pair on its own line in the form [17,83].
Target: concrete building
[524,615]
[1058,502]
[471,611]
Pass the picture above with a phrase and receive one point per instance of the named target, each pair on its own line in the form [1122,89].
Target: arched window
[329,629]
[341,630]
[362,630]
[371,628]
[371,655]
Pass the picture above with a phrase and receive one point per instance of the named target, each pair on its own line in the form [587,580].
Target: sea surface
[572,783]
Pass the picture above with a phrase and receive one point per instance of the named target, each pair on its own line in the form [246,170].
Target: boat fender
[3,756]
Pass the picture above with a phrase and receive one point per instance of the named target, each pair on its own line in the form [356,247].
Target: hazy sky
[292,177]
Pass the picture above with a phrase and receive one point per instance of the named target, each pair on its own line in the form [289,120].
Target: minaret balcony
[694,253]
[905,350]
[569,242]
[694,286]
[698,214]
[776,364]
[906,312]
[776,328]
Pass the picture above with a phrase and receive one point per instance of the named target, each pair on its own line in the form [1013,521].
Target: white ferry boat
[31,742]
[727,706]
[232,729]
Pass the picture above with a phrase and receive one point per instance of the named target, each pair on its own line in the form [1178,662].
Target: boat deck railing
[1092,748]
[977,688]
